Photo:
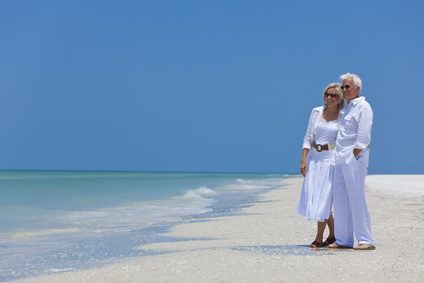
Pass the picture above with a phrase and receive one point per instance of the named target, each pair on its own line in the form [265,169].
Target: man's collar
[356,100]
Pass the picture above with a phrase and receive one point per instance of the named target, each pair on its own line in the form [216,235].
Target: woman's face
[331,97]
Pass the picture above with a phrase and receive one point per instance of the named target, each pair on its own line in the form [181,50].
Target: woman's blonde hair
[339,92]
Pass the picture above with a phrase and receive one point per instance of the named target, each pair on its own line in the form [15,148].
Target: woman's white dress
[316,198]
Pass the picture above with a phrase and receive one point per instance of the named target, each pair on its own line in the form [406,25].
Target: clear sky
[221,86]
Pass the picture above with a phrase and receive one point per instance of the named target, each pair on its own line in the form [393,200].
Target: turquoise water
[57,221]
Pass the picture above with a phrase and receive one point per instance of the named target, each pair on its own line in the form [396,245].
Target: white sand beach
[268,242]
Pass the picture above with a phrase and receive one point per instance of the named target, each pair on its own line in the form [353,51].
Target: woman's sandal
[329,241]
[316,244]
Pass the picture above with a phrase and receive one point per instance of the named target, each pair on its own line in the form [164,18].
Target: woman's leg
[330,224]
[331,239]
[320,233]
[320,230]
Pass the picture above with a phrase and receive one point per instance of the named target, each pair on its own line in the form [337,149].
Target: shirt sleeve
[308,136]
[363,138]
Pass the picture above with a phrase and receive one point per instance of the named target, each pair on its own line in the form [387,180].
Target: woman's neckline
[328,121]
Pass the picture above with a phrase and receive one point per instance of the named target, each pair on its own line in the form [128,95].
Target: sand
[267,242]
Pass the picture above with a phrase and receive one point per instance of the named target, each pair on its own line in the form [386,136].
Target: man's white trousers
[350,209]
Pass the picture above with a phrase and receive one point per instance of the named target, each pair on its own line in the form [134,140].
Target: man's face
[350,91]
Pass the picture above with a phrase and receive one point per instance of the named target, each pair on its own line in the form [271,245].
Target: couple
[334,164]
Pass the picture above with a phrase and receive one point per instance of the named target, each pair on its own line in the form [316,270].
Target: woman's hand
[303,164]
[303,168]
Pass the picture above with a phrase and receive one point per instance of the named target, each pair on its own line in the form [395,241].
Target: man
[352,152]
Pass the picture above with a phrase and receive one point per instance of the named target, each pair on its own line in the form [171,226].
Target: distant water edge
[59,220]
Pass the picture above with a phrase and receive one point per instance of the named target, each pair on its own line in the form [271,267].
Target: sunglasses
[330,94]
[345,86]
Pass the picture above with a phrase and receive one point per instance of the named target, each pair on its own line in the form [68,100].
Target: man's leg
[354,175]
[343,228]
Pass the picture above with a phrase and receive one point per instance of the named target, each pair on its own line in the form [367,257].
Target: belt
[321,147]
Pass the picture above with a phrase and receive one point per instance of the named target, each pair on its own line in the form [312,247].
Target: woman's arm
[307,140]
[303,165]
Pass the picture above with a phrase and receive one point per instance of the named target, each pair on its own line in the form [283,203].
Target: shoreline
[268,242]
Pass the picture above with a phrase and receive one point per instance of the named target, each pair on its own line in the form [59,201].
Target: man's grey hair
[356,80]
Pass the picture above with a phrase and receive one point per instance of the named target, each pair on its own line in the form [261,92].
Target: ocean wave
[137,214]
[258,184]
[199,193]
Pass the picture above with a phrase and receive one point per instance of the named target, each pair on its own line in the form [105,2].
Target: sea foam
[199,193]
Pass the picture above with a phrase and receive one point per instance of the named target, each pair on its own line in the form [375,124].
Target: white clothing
[315,117]
[324,132]
[350,208]
[355,129]
[316,198]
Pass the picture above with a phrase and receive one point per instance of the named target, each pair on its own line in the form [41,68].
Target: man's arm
[364,131]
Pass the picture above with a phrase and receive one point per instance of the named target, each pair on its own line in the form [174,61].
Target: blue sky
[217,86]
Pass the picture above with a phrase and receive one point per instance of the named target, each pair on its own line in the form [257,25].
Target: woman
[316,198]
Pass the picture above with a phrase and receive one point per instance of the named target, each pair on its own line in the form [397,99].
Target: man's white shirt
[355,129]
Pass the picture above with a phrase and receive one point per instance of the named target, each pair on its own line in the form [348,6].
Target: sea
[58,221]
